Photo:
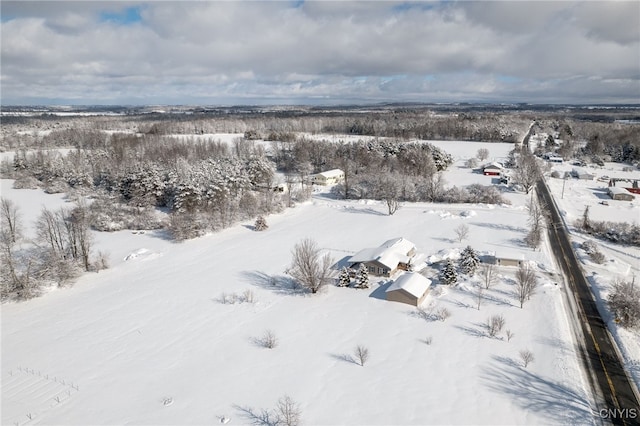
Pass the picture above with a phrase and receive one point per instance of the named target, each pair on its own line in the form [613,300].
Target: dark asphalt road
[599,353]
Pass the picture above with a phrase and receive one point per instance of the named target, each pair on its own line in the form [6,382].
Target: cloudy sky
[319,52]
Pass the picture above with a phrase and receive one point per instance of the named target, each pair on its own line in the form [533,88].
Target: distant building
[582,174]
[493,169]
[620,194]
[410,288]
[507,258]
[330,177]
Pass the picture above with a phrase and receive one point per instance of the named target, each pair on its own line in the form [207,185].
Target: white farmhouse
[330,177]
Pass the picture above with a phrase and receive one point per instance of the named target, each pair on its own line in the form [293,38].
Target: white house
[410,288]
[391,256]
[330,177]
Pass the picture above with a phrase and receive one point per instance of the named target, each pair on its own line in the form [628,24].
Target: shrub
[362,354]
[624,301]
[261,224]
[269,340]
[26,182]
[495,323]
[527,357]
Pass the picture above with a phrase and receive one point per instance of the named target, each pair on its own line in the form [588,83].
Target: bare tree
[482,154]
[462,232]
[10,277]
[488,274]
[79,234]
[362,354]
[509,335]
[289,180]
[527,357]
[391,194]
[11,220]
[288,412]
[479,294]
[527,171]
[309,267]
[537,215]
[495,323]
[526,283]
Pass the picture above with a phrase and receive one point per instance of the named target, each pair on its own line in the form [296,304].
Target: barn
[410,288]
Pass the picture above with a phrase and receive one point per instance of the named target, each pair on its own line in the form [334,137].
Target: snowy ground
[149,341]
[623,262]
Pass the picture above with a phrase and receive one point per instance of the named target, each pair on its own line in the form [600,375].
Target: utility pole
[564,181]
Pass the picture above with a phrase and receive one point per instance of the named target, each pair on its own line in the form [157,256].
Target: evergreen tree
[469,261]
[449,275]
[343,278]
[261,224]
[362,280]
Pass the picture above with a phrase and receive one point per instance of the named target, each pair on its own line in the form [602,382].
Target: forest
[150,170]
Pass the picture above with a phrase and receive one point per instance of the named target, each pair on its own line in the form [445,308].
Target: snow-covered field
[623,262]
[149,341]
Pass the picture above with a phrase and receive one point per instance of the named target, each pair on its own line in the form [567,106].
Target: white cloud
[371,51]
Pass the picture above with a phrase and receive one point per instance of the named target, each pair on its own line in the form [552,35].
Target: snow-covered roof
[389,253]
[581,172]
[509,255]
[331,173]
[400,244]
[494,165]
[411,282]
[618,190]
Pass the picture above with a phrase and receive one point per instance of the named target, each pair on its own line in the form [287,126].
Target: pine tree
[449,275]
[362,280]
[261,224]
[343,278]
[469,261]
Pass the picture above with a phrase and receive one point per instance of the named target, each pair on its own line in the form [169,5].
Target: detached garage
[410,288]
[620,194]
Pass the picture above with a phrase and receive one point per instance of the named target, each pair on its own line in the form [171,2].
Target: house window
[372,269]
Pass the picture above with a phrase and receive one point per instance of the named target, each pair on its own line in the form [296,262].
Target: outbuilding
[410,288]
[620,194]
[493,169]
[508,259]
[582,174]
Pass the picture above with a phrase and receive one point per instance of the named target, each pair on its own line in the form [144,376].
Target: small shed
[582,174]
[410,288]
[330,177]
[508,259]
[620,194]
